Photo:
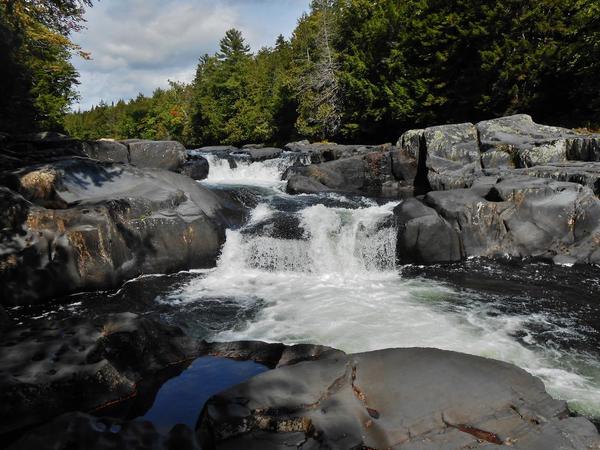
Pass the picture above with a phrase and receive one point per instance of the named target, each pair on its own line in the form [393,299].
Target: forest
[353,70]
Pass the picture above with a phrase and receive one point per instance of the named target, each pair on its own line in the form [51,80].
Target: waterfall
[243,171]
[340,241]
[322,269]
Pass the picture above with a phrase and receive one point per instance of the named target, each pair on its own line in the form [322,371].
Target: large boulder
[79,224]
[447,156]
[424,236]
[53,367]
[168,155]
[344,175]
[261,154]
[514,216]
[380,173]
[196,167]
[221,151]
[106,150]
[397,398]
[301,184]
[320,152]
[517,141]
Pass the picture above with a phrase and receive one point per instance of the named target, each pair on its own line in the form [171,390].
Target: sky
[138,45]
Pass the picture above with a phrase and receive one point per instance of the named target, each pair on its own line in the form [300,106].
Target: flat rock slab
[586,173]
[396,398]
[517,141]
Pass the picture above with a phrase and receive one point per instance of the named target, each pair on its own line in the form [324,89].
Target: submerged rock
[396,398]
[80,224]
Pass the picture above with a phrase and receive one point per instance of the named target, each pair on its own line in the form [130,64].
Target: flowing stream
[322,269]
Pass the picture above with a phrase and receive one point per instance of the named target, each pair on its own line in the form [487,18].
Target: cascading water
[336,241]
[243,171]
[331,279]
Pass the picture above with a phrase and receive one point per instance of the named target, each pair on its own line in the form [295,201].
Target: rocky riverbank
[80,216]
[73,373]
[73,223]
[506,187]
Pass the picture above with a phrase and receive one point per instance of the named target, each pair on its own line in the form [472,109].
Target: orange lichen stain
[189,235]
[80,245]
[9,262]
[39,184]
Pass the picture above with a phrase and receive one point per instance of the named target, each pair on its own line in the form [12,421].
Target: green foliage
[37,80]
[365,70]
[164,116]
[238,97]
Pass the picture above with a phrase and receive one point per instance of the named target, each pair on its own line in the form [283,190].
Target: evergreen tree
[37,78]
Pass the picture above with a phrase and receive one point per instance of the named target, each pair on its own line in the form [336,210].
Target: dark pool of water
[181,399]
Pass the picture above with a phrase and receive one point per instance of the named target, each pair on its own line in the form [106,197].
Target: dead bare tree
[320,85]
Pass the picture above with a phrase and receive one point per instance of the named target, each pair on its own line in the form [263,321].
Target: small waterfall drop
[336,241]
[322,269]
[239,169]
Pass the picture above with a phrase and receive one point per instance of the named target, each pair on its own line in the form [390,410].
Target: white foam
[261,173]
[338,286]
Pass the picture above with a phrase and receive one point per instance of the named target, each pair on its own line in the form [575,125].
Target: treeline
[37,79]
[364,70]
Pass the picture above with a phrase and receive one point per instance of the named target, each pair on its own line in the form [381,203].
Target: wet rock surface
[84,431]
[5,321]
[75,364]
[396,398]
[196,167]
[109,366]
[81,224]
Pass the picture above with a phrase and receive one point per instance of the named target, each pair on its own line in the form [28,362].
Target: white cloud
[137,45]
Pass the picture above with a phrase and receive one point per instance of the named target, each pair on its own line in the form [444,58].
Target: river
[322,269]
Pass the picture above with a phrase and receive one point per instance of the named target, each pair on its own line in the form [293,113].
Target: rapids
[332,279]
[322,269]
